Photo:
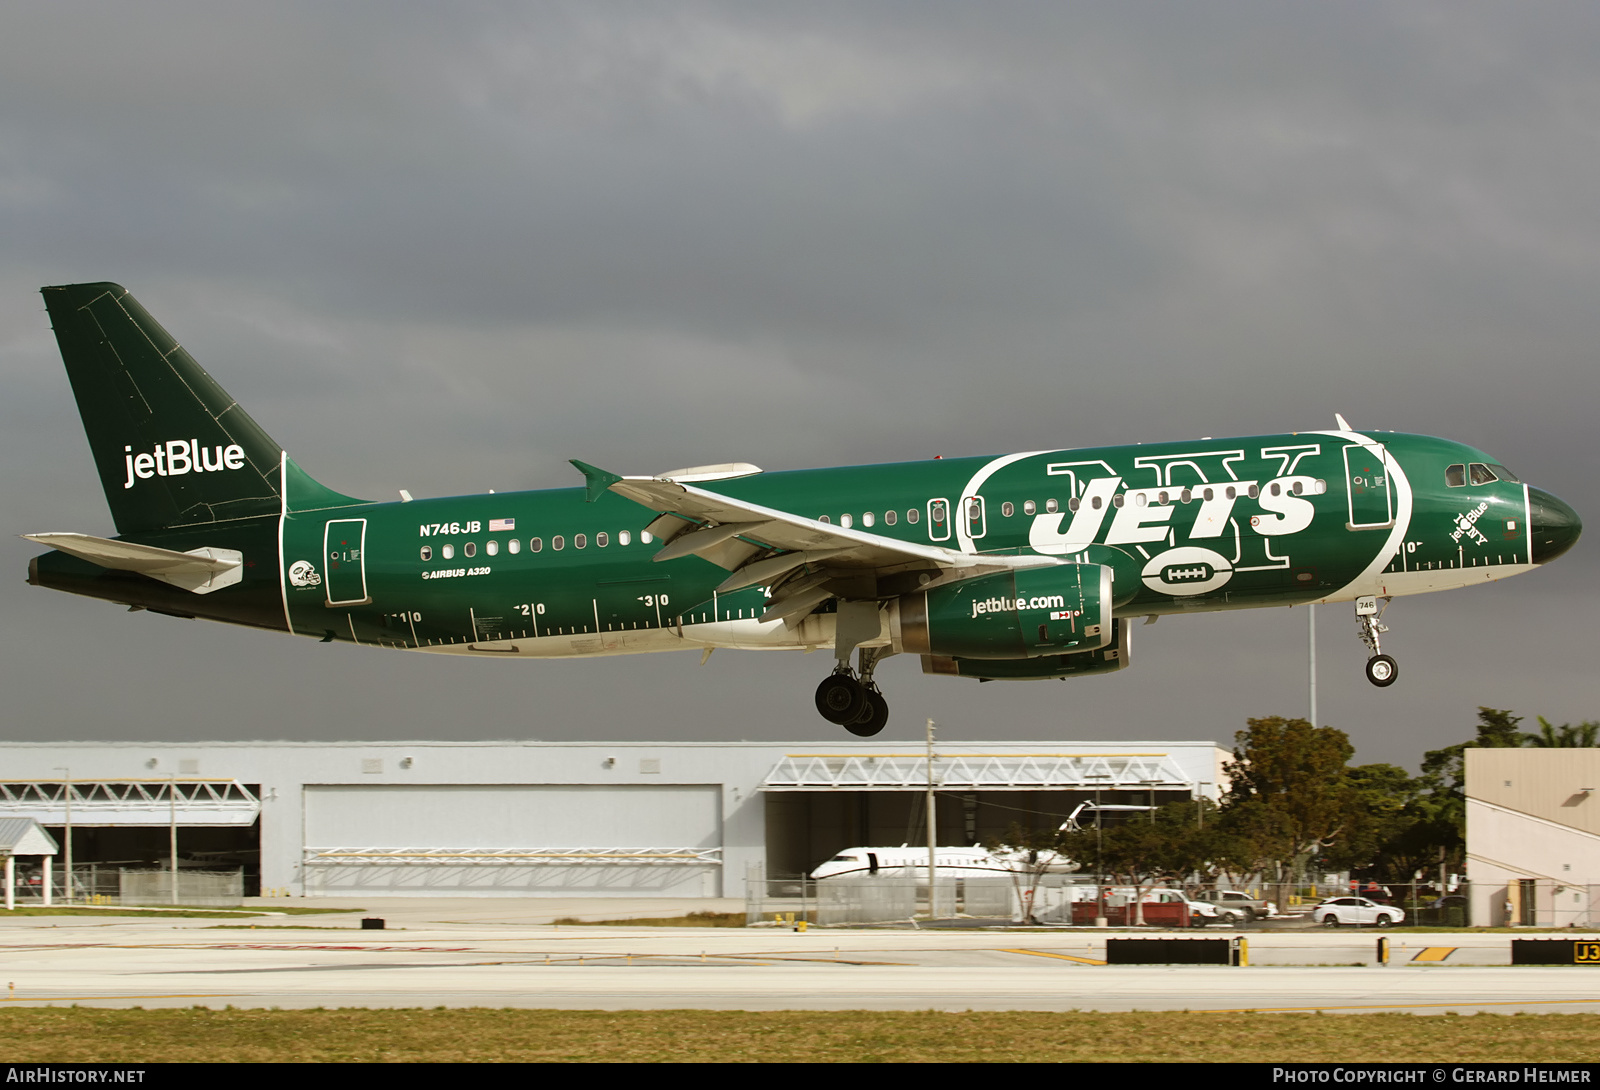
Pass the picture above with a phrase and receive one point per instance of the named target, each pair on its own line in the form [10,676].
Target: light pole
[1311,612]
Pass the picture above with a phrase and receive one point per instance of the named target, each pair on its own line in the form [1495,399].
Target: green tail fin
[172,448]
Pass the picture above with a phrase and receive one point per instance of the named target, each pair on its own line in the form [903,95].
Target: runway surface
[327,961]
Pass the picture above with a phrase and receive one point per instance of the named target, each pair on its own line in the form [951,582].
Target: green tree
[1384,811]
[1289,798]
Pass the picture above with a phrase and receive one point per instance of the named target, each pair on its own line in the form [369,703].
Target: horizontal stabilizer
[200,571]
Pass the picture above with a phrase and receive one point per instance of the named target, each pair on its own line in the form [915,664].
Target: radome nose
[1556,527]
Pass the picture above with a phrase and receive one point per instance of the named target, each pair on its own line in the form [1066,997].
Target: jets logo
[302,573]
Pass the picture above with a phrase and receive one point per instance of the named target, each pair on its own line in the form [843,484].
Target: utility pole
[66,794]
[172,830]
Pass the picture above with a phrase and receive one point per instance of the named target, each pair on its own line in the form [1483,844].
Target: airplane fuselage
[1186,527]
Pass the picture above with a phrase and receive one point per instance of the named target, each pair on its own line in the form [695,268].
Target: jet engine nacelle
[1019,614]
[1104,660]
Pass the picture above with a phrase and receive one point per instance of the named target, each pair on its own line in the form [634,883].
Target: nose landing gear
[1381,669]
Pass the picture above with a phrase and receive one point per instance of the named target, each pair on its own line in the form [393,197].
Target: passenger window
[558,543]
[535,544]
[427,552]
[913,515]
[1481,474]
[1117,500]
[1297,488]
[1255,491]
[447,551]
[580,541]
[602,539]
[492,548]
[826,519]
[624,537]
[1051,506]
[514,546]
[645,537]
[846,521]
[1185,496]
[936,511]
[867,519]
[890,516]
[1206,494]
[1095,503]
[1074,503]
[1007,510]
[470,548]
[1028,507]
[1455,476]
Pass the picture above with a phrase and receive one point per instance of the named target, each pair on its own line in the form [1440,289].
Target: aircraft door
[938,520]
[1366,472]
[343,545]
[972,510]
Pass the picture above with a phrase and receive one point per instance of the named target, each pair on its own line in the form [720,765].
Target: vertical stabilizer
[173,449]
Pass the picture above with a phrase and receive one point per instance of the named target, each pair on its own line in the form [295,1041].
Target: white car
[1355,912]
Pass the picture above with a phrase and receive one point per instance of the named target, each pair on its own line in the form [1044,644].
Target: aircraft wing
[804,562]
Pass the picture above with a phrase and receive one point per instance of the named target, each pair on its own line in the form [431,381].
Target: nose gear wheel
[1382,670]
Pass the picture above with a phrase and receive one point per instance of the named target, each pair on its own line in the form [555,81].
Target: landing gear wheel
[873,718]
[1382,670]
[841,699]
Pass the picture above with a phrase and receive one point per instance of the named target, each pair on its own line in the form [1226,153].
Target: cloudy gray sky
[446,247]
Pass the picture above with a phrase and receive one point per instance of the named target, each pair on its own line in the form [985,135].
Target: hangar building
[561,819]
[1533,836]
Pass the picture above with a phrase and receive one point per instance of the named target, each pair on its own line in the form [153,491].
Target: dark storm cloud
[445,248]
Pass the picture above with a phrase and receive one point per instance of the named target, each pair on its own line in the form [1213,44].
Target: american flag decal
[500,525]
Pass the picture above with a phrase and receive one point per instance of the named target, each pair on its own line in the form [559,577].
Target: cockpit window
[1455,476]
[1505,474]
[1482,474]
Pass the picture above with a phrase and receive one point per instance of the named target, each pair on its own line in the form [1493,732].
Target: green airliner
[1032,565]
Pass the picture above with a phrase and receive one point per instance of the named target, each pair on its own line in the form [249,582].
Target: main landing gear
[1381,669]
[854,702]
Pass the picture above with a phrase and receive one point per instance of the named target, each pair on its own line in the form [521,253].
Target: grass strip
[84,1035]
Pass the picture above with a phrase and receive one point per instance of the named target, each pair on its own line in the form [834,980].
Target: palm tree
[1566,736]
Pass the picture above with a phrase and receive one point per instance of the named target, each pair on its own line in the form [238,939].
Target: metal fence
[1065,899]
[205,888]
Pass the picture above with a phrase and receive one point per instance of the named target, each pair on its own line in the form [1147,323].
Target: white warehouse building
[431,818]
